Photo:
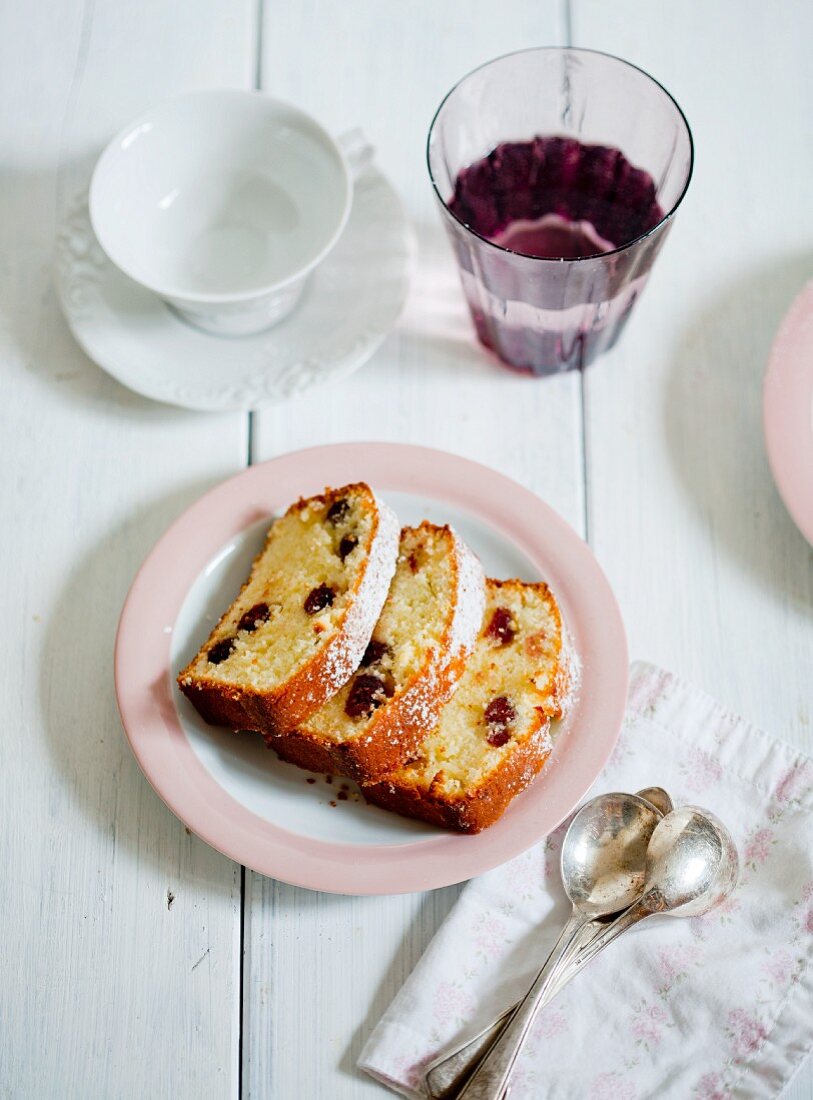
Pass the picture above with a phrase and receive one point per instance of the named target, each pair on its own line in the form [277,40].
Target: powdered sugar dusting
[343,658]
[569,674]
[540,744]
[471,600]
[543,738]
[423,700]
[518,761]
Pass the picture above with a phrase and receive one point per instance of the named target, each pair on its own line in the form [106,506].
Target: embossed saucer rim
[352,303]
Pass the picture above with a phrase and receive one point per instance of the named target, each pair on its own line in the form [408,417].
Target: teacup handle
[357,150]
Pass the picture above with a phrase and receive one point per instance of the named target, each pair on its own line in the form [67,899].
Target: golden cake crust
[482,804]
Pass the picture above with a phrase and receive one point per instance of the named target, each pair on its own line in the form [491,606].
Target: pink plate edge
[144,688]
[787,410]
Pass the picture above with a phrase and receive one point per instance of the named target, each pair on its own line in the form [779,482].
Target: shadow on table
[719,450]
[80,717]
[34,327]
[436,327]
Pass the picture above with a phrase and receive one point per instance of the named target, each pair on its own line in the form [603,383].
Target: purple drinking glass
[558,172]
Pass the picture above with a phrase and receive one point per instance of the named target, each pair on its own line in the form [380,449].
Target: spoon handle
[445,1077]
[637,912]
[491,1077]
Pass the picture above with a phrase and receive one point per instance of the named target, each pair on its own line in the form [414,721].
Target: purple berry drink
[556,199]
[555,235]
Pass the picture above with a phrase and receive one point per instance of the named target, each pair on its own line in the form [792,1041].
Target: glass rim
[562,259]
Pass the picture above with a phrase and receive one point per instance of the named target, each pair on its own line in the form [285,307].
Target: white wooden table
[134,961]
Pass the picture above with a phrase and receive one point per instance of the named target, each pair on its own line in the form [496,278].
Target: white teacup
[222,202]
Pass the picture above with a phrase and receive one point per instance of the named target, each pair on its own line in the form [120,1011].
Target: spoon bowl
[659,798]
[604,853]
[691,866]
[692,863]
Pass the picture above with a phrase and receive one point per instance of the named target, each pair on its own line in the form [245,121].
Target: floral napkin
[704,1009]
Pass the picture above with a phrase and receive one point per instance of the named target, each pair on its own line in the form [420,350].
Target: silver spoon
[445,1077]
[659,798]
[603,863]
[691,865]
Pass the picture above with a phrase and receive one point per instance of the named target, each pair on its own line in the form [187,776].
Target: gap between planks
[244,984]
[566,16]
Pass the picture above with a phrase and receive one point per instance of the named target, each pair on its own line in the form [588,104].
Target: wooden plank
[320,970]
[120,941]
[714,580]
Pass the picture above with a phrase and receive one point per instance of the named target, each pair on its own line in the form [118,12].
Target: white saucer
[351,303]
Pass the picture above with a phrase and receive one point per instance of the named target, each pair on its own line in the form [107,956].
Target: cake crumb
[310,779]
[332,803]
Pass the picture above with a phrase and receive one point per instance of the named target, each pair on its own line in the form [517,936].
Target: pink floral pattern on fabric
[701,771]
[758,847]
[648,1024]
[780,967]
[491,936]
[522,874]
[412,1072]
[550,1023]
[794,782]
[746,1032]
[611,1086]
[674,963]
[710,1087]
[721,985]
[647,691]
[452,1002]
[725,914]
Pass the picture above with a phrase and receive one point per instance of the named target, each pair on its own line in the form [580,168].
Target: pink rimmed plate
[233,793]
[788,411]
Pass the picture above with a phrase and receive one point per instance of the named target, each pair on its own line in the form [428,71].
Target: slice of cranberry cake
[304,617]
[420,644]
[494,735]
